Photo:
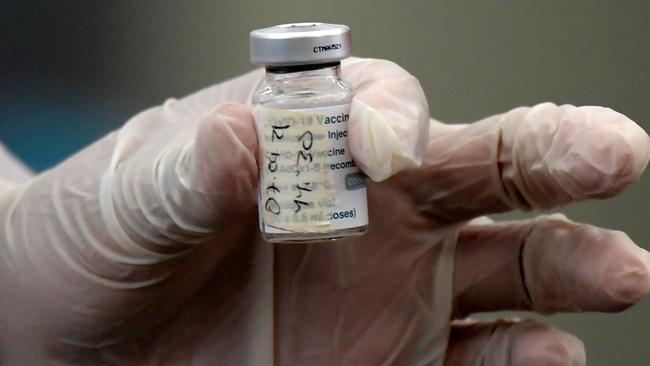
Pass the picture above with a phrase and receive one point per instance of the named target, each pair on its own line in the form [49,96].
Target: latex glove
[12,170]
[144,248]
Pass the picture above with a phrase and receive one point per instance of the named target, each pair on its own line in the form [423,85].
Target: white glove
[143,249]
[12,170]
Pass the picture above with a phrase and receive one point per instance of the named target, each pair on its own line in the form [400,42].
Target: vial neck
[288,73]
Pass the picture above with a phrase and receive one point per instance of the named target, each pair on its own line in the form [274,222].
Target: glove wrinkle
[522,270]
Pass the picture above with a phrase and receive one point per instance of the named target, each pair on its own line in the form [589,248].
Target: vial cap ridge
[300,44]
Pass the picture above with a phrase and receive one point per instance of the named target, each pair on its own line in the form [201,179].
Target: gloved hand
[144,249]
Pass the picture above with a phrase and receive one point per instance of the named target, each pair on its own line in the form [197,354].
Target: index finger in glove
[528,158]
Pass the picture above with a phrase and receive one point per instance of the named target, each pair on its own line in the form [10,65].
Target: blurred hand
[144,248]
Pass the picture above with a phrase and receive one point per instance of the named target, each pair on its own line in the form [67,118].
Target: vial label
[308,180]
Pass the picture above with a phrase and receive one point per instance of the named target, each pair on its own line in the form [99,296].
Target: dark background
[73,70]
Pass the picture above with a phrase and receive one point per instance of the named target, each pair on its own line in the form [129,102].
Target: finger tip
[566,352]
[627,277]
[621,136]
[225,150]
[384,142]
[230,116]
[601,151]
[544,345]
[575,348]
[633,134]
[230,111]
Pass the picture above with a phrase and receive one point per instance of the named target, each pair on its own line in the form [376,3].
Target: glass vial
[310,189]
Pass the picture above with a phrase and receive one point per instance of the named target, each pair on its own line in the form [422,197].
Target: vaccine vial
[310,188]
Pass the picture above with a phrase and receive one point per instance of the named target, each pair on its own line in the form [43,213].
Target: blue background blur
[74,70]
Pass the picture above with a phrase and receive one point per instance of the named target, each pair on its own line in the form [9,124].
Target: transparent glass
[321,87]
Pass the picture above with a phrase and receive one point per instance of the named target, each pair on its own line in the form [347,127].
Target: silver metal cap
[299,44]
